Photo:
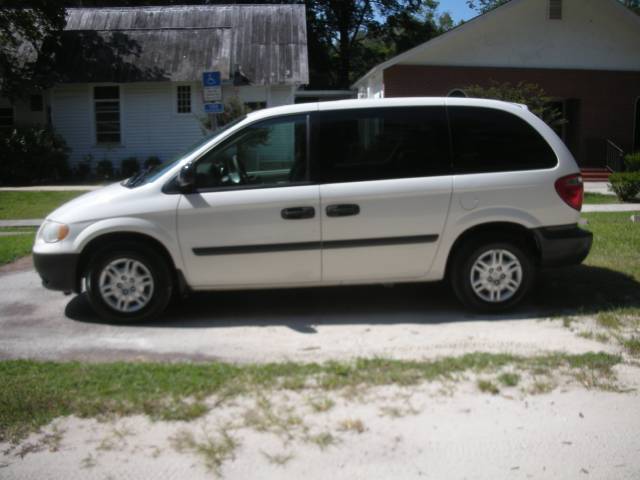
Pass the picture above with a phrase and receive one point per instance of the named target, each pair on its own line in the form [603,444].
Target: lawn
[34,393]
[616,243]
[15,246]
[22,205]
[609,278]
[596,198]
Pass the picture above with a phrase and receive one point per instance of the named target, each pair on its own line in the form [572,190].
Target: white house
[133,85]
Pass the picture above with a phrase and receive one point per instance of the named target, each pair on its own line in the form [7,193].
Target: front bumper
[563,245]
[58,271]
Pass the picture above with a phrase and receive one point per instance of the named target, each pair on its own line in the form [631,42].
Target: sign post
[212,96]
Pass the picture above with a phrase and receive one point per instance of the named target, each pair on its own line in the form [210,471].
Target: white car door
[254,217]
[385,193]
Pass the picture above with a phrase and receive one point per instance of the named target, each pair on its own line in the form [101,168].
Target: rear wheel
[128,284]
[491,275]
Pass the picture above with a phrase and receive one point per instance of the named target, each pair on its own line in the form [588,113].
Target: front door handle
[298,213]
[343,210]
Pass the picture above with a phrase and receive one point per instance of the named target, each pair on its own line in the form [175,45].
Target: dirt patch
[434,431]
[18,309]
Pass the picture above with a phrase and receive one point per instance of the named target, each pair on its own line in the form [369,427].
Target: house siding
[149,122]
[605,99]
[593,35]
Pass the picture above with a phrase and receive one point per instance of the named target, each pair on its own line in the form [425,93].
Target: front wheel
[128,284]
[492,276]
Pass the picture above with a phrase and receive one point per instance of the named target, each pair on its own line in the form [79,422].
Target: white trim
[457,31]
[92,100]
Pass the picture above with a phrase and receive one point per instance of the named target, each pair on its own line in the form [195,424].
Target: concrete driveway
[404,321]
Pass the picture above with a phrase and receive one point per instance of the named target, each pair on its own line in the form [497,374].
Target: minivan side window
[382,143]
[488,140]
[268,153]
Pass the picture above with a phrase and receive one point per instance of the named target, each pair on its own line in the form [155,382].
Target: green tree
[340,30]
[29,38]
[484,6]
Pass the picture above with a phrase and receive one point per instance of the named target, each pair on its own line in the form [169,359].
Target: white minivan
[480,192]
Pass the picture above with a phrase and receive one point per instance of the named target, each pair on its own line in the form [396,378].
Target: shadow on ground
[562,292]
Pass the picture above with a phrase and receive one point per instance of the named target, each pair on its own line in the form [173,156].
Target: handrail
[614,157]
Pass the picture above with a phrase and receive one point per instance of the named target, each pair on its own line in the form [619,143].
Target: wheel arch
[101,241]
[511,231]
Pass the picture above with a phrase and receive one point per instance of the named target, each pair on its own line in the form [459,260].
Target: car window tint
[381,143]
[268,153]
[489,140]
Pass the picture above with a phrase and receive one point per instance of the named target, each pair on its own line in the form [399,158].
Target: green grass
[632,345]
[608,279]
[616,242]
[15,246]
[487,386]
[595,198]
[21,205]
[509,379]
[34,393]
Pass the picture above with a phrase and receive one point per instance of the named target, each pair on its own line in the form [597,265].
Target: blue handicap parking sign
[211,79]
[213,107]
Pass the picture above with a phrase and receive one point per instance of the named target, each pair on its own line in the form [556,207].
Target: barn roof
[267,43]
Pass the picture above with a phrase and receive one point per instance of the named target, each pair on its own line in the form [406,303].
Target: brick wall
[603,102]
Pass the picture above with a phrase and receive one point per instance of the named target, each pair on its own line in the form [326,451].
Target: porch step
[595,174]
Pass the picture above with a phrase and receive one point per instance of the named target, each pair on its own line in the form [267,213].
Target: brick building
[584,53]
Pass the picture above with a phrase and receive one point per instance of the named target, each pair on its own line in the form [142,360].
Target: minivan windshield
[152,173]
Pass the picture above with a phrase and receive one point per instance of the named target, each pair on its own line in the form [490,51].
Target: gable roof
[493,32]
[267,43]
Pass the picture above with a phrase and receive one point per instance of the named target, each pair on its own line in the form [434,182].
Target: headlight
[52,232]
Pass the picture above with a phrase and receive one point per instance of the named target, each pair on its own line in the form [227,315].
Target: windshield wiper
[134,180]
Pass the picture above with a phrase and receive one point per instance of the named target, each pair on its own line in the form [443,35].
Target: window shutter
[555,9]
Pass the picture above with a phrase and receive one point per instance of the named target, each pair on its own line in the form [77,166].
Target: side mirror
[186,179]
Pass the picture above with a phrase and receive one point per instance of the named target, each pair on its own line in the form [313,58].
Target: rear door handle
[343,210]
[298,213]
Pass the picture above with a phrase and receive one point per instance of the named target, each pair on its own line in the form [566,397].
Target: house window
[107,108]
[35,102]
[184,98]
[555,9]
[6,117]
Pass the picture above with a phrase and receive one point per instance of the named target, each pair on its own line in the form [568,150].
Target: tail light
[571,189]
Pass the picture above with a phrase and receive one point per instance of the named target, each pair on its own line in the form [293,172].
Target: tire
[129,283]
[480,264]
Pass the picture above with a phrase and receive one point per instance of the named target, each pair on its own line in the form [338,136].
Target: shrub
[129,167]
[626,185]
[151,162]
[32,155]
[82,170]
[104,169]
[632,162]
